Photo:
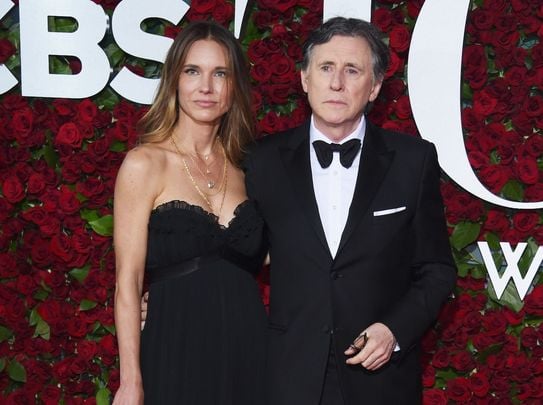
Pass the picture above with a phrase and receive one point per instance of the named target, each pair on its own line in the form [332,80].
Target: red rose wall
[59,158]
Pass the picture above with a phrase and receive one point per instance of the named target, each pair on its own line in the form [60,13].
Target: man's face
[339,84]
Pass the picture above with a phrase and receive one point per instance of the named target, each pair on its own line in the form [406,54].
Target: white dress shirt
[334,186]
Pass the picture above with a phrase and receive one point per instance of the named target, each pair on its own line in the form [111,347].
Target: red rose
[64,107]
[402,108]
[280,5]
[533,302]
[382,18]
[496,221]
[282,68]
[13,189]
[50,395]
[61,246]
[36,183]
[68,201]
[6,50]
[69,134]
[462,361]
[434,396]
[261,72]
[527,170]
[8,265]
[474,65]
[494,323]
[479,384]
[22,121]
[278,93]
[87,111]
[399,38]
[76,327]
[26,284]
[458,389]
[482,19]
[203,6]
[428,376]
[534,192]
[395,64]
[483,103]
[495,177]
[441,358]
[87,349]
[40,253]
[269,124]
[525,222]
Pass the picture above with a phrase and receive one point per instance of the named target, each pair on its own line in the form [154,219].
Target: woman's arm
[133,202]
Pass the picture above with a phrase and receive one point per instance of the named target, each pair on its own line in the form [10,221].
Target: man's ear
[303,79]
[375,90]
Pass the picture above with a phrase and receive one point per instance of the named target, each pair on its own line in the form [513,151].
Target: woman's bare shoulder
[145,159]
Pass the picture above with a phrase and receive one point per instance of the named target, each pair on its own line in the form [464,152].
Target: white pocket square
[388,212]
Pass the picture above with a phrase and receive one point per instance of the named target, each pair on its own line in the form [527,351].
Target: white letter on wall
[7,80]
[434,74]
[37,43]
[126,23]
[347,8]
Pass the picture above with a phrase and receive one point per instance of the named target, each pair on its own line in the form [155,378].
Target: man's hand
[143,301]
[373,350]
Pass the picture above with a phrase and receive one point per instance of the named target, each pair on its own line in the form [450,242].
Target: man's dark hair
[350,27]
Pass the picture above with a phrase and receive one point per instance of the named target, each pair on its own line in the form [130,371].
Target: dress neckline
[184,205]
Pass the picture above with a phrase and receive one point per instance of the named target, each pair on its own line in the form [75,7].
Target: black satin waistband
[196,263]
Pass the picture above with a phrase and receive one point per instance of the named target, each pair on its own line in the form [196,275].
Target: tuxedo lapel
[374,164]
[296,159]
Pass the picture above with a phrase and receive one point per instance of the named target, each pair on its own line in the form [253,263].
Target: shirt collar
[358,133]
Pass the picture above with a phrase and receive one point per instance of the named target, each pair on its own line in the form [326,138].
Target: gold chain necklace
[210,183]
[198,189]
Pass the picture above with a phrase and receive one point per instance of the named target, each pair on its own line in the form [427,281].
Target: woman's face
[204,83]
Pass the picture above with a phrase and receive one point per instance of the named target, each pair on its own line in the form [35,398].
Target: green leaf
[80,274]
[103,226]
[59,65]
[117,146]
[493,241]
[2,364]
[89,215]
[467,93]
[34,317]
[493,349]
[50,155]
[102,396]
[86,305]
[5,333]
[16,371]
[114,54]
[42,330]
[478,272]
[463,269]
[110,328]
[513,190]
[107,99]
[509,298]
[464,233]
[41,295]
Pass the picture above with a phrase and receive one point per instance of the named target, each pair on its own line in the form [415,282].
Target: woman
[182,215]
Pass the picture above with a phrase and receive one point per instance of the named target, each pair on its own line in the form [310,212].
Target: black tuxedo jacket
[396,269]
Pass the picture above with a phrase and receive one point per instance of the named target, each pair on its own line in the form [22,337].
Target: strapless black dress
[204,341]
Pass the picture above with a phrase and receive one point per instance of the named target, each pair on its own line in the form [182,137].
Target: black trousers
[331,389]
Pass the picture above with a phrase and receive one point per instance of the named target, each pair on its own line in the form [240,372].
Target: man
[360,260]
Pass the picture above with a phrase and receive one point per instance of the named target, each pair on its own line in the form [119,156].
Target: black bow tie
[347,152]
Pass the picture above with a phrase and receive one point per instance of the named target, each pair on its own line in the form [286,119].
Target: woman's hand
[129,394]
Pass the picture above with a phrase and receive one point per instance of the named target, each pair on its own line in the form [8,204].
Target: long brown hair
[236,128]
